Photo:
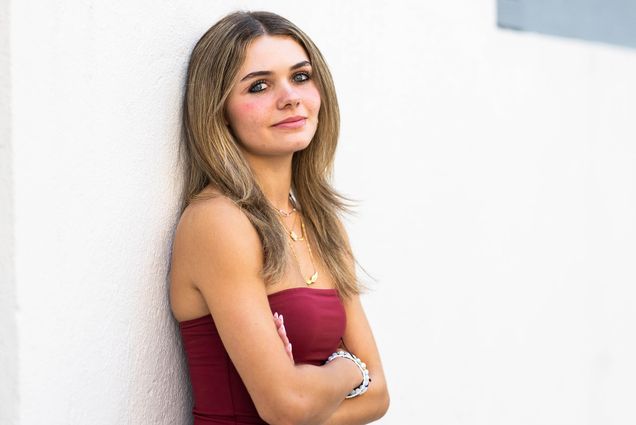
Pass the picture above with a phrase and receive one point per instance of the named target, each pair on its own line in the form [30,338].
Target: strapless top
[315,321]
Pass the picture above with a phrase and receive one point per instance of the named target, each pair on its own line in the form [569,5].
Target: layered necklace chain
[285,213]
[293,237]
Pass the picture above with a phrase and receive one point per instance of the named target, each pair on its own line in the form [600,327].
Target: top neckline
[325,291]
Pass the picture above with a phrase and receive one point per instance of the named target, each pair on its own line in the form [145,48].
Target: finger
[289,351]
[283,334]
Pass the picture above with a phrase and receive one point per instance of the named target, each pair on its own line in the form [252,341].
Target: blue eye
[258,86]
[301,77]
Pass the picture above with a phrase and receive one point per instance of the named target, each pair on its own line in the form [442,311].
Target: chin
[293,146]
[295,143]
[301,144]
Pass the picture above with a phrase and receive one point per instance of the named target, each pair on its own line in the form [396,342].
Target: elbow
[383,403]
[280,418]
[283,410]
[272,416]
[386,403]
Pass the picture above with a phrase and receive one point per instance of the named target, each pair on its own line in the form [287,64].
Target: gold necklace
[293,234]
[312,279]
[285,213]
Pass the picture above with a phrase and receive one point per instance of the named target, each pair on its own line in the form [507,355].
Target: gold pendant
[294,236]
[312,279]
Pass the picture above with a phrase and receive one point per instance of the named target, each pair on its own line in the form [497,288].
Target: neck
[273,175]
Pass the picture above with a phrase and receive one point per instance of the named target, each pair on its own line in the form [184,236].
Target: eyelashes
[257,86]
[299,77]
[305,76]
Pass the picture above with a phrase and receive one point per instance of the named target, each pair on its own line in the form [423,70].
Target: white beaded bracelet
[364,386]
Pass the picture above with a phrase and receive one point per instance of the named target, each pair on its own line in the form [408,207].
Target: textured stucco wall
[496,169]
[96,92]
[8,330]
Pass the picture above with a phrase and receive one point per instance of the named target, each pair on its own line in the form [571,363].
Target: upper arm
[225,262]
[359,340]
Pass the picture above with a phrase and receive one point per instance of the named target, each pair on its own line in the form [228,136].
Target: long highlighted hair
[212,156]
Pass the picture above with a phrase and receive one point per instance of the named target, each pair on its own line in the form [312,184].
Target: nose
[288,97]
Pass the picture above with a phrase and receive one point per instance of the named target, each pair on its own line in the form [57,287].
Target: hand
[280,326]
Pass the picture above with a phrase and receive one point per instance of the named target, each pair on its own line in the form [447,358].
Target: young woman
[262,277]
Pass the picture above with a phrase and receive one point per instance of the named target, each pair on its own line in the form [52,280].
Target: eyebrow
[261,73]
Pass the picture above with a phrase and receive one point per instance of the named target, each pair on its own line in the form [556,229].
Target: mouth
[291,122]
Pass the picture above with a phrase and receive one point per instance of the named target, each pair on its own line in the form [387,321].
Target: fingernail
[276,315]
[281,318]
[289,346]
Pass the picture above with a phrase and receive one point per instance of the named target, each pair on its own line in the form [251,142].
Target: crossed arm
[224,260]
[374,403]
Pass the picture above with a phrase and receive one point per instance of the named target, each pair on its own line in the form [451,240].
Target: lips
[291,122]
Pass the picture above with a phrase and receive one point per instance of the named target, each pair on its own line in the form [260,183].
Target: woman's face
[273,106]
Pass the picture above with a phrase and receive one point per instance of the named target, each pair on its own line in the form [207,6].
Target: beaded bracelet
[364,386]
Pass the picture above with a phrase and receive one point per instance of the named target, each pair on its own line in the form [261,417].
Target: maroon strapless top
[315,321]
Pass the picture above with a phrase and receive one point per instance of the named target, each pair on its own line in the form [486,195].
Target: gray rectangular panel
[608,21]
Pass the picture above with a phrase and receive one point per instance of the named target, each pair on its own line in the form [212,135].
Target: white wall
[8,330]
[496,170]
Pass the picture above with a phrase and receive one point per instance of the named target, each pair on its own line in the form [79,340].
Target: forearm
[321,389]
[360,410]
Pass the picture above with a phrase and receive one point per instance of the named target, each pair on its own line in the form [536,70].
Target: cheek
[313,100]
[247,108]
[244,116]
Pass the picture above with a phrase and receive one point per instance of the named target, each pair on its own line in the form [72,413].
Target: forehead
[271,53]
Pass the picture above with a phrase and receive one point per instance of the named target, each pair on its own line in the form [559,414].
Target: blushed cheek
[314,100]
[247,107]
[246,115]
[243,113]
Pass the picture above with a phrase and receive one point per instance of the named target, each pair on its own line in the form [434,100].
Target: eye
[258,86]
[301,77]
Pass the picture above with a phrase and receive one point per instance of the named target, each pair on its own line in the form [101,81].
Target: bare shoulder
[214,214]
[213,235]
[218,250]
